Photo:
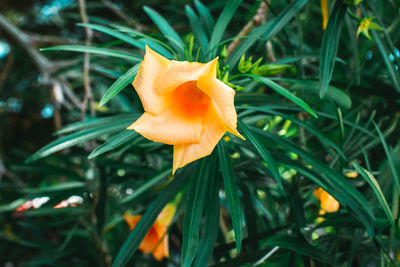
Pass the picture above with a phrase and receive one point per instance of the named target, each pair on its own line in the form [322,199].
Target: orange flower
[327,202]
[185,106]
[156,240]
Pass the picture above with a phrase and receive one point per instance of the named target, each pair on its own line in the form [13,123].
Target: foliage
[317,108]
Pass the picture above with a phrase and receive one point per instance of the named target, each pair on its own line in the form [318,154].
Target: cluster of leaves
[249,202]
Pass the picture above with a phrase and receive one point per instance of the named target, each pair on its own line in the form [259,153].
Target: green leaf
[389,157]
[119,84]
[206,19]
[389,64]
[264,153]
[77,138]
[55,188]
[332,182]
[295,244]
[150,182]
[333,94]
[330,43]
[377,190]
[149,217]
[211,229]
[113,142]
[166,29]
[196,28]
[197,190]
[231,192]
[268,29]
[222,22]
[322,137]
[279,89]
[139,43]
[94,50]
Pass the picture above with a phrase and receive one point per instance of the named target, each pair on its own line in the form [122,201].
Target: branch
[257,19]
[86,64]
[18,36]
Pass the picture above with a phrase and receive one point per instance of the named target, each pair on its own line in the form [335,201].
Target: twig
[257,19]
[269,254]
[43,64]
[88,99]
[120,13]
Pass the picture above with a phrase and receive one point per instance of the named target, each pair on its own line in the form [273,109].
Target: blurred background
[43,91]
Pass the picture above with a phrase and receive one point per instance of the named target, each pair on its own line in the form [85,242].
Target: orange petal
[152,65]
[212,133]
[169,127]
[162,250]
[131,220]
[222,97]
[150,241]
[328,202]
[179,72]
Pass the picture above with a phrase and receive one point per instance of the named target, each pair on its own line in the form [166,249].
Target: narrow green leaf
[385,55]
[95,122]
[322,137]
[222,22]
[295,244]
[333,94]
[139,43]
[279,89]
[198,187]
[389,157]
[330,43]
[377,190]
[231,192]
[139,232]
[113,142]
[268,29]
[119,84]
[211,229]
[94,50]
[56,188]
[264,153]
[206,19]
[150,182]
[78,138]
[197,29]
[166,29]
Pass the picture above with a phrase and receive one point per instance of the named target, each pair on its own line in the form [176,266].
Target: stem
[256,20]
[88,99]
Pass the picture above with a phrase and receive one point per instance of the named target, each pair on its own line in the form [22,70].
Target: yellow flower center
[364,24]
[189,100]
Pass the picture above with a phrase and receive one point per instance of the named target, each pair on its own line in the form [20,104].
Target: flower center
[190,100]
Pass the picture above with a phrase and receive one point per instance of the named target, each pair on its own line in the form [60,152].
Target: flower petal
[179,72]
[131,220]
[152,65]
[162,250]
[167,214]
[169,127]
[213,131]
[222,97]
[150,241]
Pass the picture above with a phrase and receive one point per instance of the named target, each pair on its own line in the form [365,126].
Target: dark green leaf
[138,233]
[231,192]
[222,22]
[377,190]
[94,50]
[330,43]
[119,84]
[166,29]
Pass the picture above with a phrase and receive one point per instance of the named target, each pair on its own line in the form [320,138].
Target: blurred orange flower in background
[185,106]
[156,240]
[327,202]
